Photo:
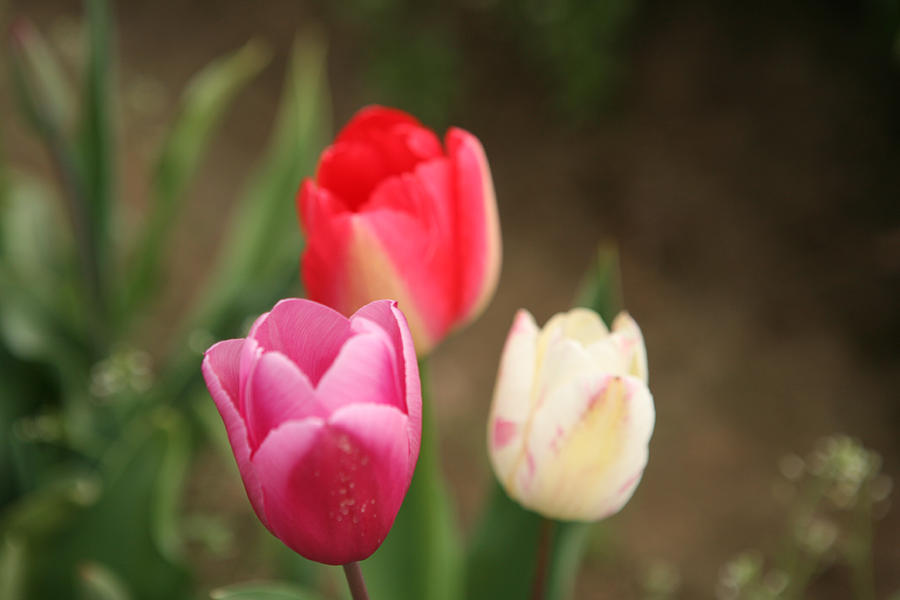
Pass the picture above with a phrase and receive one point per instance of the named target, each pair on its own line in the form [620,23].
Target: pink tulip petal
[477,223]
[323,332]
[332,491]
[392,320]
[221,372]
[277,391]
[365,371]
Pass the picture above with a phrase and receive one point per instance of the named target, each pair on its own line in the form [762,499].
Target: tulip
[572,416]
[324,416]
[393,214]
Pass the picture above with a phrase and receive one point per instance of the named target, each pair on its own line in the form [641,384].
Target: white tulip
[572,416]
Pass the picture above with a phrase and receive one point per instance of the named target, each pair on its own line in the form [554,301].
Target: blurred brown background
[744,155]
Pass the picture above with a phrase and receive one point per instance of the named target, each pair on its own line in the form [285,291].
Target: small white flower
[572,415]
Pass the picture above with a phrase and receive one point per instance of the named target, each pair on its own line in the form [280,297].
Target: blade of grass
[64,159]
[259,260]
[96,145]
[205,101]
[265,237]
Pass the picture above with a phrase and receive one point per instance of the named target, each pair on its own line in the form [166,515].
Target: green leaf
[98,582]
[263,591]
[47,509]
[165,525]
[503,553]
[260,254]
[205,101]
[121,529]
[601,289]
[503,550]
[264,243]
[422,556]
[37,106]
[96,140]
[12,569]
[49,85]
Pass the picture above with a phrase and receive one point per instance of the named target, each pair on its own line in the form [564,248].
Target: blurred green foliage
[833,497]
[95,440]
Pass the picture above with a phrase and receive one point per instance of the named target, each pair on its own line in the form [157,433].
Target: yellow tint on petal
[584,326]
[371,276]
[581,480]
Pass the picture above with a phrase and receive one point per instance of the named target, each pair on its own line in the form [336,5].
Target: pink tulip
[324,416]
[393,214]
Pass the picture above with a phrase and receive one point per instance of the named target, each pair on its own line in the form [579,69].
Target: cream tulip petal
[630,340]
[587,448]
[563,360]
[584,326]
[607,357]
[512,394]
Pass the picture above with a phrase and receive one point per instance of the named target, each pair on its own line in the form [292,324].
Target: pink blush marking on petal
[629,483]
[504,432]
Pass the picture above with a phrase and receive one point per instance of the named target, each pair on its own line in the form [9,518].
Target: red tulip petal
[324,333]
[411,219]
[221,372]
[277,391]
[375,145]
[316,207]
[351,170]
[373,120]
[332,491]
[477,223]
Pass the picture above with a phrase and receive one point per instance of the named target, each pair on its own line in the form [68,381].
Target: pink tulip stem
[355,581]
[544,549]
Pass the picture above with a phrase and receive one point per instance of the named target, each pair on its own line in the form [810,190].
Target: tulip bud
[324,416]
[572,416]
[393,214]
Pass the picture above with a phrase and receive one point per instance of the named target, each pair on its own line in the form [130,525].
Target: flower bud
[393,213]
[572,416]
[324,415]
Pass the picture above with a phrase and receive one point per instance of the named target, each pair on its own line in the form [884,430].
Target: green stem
[544,552]
[355,581]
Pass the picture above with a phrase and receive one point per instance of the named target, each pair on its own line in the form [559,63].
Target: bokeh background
[744,155]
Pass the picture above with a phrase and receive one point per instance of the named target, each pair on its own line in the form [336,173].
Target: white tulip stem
[544,552]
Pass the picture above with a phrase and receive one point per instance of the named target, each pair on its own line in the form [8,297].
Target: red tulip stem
[545,546]
[355,581]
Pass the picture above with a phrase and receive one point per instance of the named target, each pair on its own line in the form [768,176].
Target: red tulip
[324,415]
[393,214]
